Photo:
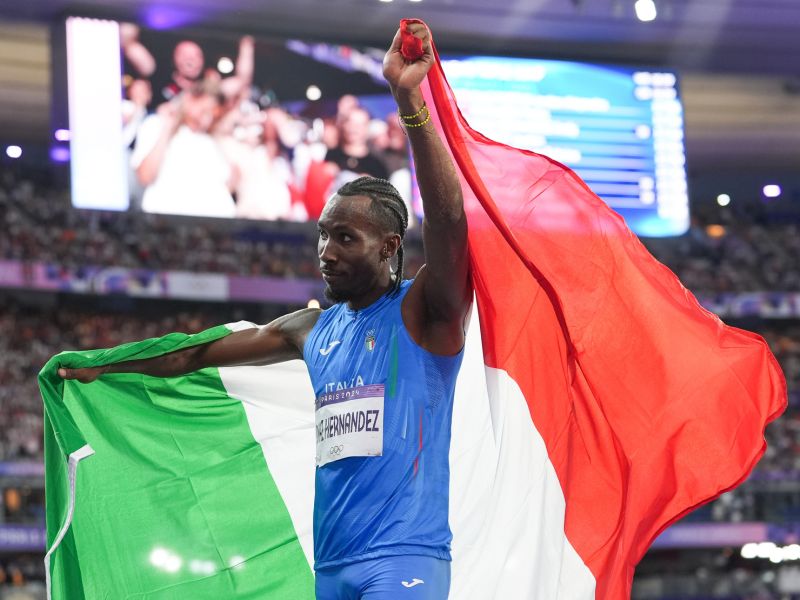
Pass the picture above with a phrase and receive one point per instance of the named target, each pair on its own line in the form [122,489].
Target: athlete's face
[350,249]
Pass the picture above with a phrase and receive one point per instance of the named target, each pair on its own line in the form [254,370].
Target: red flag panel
[648,404]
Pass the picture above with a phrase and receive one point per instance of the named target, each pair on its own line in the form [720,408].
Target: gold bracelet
[428,118]
[416,114]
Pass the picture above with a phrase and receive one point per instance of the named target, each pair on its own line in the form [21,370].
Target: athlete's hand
[402,74]
[86,375]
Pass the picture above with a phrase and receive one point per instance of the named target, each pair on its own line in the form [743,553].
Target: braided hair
[387,207]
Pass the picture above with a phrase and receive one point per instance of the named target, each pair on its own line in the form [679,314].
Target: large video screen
[164,121]
[620,129]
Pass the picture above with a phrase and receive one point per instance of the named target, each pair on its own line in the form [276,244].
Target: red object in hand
[411,45]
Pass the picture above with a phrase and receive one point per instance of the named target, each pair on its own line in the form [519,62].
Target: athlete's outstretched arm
[278,341]
[447,288]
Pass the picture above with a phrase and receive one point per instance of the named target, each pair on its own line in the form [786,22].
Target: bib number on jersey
[349,423]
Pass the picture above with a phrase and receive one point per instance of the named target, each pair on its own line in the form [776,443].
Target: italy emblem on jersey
[370,341]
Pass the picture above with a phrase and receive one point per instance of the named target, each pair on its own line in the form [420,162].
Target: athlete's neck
[370,297]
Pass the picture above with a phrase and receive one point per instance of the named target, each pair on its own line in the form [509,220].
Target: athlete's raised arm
[444,291]
[278,341]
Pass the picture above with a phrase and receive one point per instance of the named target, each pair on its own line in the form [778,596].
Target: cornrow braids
[389,209]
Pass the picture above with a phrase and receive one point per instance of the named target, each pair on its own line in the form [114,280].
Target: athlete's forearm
[438,182]
[278,341]
[173,364]
[444,227]
[167,365]
[257,345]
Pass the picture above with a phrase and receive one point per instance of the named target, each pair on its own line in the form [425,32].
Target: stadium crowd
[40,225]
[29,337]
[744,257]
[716,256]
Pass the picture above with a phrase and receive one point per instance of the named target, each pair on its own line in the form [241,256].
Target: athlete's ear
[390,245]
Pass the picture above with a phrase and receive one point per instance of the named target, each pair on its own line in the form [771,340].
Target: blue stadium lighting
[13,151]
[723,199]
[59,154]
[772,191]
[165,18]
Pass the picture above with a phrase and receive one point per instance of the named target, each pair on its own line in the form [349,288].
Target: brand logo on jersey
[331,346]
[370,341]
[413,582]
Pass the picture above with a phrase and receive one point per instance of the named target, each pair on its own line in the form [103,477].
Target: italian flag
[598,403]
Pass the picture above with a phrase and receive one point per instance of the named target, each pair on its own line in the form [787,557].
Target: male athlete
[383,363]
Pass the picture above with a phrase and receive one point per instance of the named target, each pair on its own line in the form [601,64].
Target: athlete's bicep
[435,332]
[278,341]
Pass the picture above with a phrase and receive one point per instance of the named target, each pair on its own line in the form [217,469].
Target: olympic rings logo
[336,450]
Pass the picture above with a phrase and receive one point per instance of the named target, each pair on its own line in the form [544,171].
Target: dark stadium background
[741,90]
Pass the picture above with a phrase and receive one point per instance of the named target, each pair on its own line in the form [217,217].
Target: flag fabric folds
[648,404]
[598,402]
[159,489]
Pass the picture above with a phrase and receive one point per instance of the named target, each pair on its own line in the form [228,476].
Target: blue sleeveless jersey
[383,413]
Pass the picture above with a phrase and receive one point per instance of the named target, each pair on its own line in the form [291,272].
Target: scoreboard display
[620,129]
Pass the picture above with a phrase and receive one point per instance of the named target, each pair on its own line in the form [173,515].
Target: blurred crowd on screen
[203,143]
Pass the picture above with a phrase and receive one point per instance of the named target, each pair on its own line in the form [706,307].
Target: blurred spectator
[22,577]
[134,52]
[391,145]
[352,157]
[265,179]
[188,68]
[29,337]
[353,154]
[188,61]
[178,160]
[138,93]
[742,257]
